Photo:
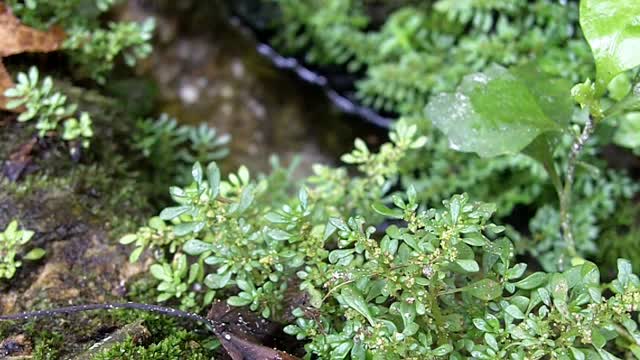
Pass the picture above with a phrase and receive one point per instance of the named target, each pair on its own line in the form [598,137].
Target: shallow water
[208,70]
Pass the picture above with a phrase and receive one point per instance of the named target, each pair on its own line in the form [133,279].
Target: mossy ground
[78,210]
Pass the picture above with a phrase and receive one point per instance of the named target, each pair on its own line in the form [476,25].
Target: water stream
[209,69]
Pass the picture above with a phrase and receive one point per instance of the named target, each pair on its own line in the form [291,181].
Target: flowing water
[208,70]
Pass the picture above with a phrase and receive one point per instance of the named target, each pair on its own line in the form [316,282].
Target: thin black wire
[211,325]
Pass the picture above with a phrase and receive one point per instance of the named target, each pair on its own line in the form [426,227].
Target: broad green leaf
[442,350]
[336,255]
[189,227]
[628,133]
[612,29]
[501,111]
[135,254]
[485,289]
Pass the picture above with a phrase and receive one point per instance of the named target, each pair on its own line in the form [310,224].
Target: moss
[181,345]
[47,346]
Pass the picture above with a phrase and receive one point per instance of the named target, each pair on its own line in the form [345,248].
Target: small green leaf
[246,197]
[159,273]
[475,239]
[189,227]
[213,175]
[196,172]
[613,31]
[171,213]
[336,255]
[34,254]
[468,265]
[485,289]
[135,254]
[353,298]
[238,301]
[442,350]
[197,247]
[597,339]
[128,239]
[217,281]
[278,234]
[514,311]
[383,210]
[532,281]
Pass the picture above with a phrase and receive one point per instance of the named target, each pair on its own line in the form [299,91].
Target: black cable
[211,325]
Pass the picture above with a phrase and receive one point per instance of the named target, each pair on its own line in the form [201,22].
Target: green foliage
[12,243]
[92,50]
[411,52]
[360,269]
[440,288]
[172,149]
[428,48]
[43,14]
[236,234]
[495,114]
[49,108]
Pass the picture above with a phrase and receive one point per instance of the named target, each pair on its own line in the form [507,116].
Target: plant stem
[565,196]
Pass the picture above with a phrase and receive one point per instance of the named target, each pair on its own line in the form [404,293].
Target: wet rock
[14,347]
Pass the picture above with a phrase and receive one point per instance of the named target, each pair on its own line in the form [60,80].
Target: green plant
[172,149]
[12,242]
[48,108]
[423,48]
[417,50]
[527,110]
[235,233]
[92,50]
[440,288]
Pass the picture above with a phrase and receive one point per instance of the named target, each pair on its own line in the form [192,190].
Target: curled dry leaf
[242,349]
[16,38]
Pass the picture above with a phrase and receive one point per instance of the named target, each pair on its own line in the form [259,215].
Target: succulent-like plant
[48,108]
[12,244]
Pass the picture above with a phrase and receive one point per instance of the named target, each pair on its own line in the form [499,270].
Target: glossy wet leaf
[485,289]
[532,281]
[197,247]
[501,111]
[612,28]
[353,298]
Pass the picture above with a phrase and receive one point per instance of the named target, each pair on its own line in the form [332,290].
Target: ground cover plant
[488,226]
